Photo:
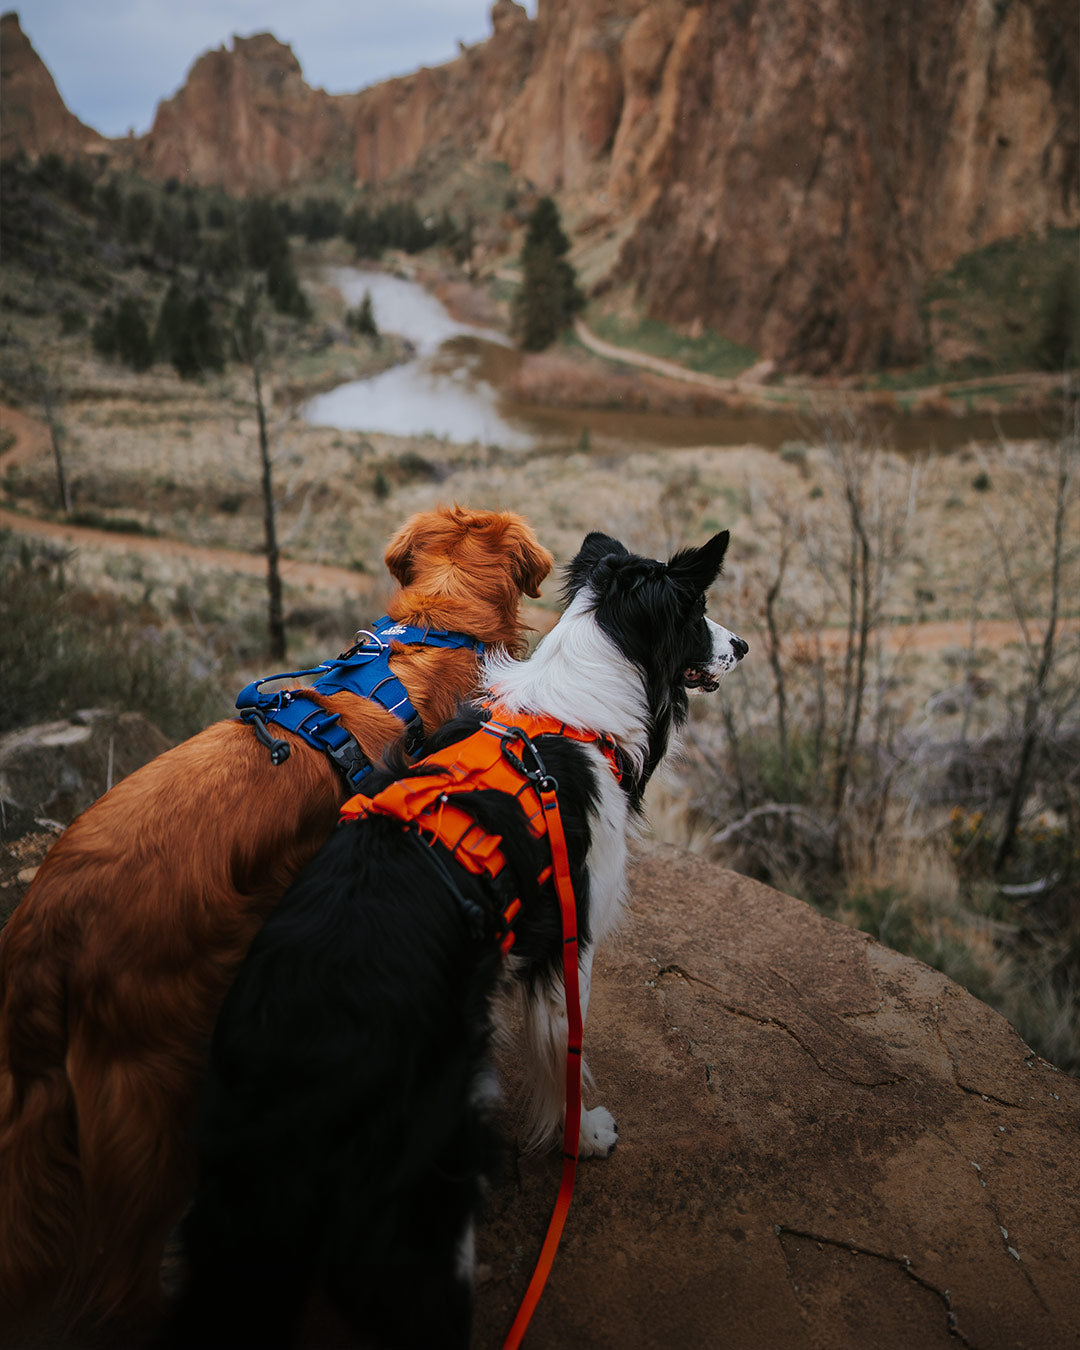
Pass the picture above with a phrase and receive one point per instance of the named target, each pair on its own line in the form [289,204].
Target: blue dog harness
[363,670]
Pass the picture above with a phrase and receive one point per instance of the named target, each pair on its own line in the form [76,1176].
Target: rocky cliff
[815,163]
[787,174]
[246,120]
[33,117]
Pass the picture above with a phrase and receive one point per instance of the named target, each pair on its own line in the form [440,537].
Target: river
[442,391]
[451,389]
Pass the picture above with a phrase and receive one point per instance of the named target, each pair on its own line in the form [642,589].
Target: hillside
[789,176]
[856,764]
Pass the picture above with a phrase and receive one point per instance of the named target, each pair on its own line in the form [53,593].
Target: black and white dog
[346,1127]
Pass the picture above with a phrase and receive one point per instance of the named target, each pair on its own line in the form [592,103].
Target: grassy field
[710,353]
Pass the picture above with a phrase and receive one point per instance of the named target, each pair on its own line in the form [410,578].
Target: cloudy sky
[115,60]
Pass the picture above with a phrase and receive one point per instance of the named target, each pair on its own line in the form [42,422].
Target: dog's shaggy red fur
[113,966]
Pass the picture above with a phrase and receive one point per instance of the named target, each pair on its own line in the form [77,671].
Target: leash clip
[538,776]
[362,641]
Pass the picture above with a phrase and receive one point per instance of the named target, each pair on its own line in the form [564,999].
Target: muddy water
[451,388]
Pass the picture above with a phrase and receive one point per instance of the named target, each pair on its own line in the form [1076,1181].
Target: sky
[115,60]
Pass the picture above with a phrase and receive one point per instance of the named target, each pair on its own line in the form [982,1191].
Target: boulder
[824,1144]
[53,770]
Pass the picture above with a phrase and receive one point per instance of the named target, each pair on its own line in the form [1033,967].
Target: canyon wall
[33,116]
[788,174]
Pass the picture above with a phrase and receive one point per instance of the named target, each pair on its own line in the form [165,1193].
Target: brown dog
[113,966]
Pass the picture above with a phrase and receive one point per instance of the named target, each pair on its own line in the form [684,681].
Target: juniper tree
[362,319]
[549,296]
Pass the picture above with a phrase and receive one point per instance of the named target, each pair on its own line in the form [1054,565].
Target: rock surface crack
[903,1263]
[873,1078]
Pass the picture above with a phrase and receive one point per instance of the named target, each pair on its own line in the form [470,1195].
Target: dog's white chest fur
[609,828]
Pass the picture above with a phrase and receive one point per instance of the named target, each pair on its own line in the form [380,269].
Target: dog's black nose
[740,647]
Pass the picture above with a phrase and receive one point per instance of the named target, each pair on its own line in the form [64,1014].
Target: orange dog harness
[483,761]
[486,760]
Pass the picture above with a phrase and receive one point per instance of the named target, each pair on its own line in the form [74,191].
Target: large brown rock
[53,770]
[825,159]
[245,119]
[823,1145]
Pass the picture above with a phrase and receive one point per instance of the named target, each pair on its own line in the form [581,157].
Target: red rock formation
[461,105]
[786,173]
[823,159]
[33,117]
[246,120]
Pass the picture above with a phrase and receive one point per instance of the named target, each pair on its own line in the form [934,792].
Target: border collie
[346,1128]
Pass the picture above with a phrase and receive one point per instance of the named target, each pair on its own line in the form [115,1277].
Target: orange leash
[572,1120]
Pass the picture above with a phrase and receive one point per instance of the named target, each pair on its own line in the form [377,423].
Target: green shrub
[66,648]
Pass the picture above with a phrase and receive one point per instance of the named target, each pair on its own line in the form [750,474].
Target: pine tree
[170,323]
[549,296]
[133,344]
[362,319]
[264,236]
[188,335]
[138,212]
[284,289]
[103,333]
[203,337]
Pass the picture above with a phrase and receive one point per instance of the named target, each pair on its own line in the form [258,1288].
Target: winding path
[749,384]
[32,438]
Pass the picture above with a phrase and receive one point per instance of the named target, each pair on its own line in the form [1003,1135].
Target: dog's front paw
[599,1133]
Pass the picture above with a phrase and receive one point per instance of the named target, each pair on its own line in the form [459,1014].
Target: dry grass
[181,459]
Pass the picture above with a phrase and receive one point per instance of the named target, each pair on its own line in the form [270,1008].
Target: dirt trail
[939,634]
[32,438]
[292,570]
[748,385]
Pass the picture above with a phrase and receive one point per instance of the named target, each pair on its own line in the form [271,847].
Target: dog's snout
[739,647]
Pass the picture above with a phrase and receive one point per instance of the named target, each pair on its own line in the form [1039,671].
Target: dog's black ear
[596,548]
[699,567]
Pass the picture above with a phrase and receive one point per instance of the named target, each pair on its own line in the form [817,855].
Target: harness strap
[363,670]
